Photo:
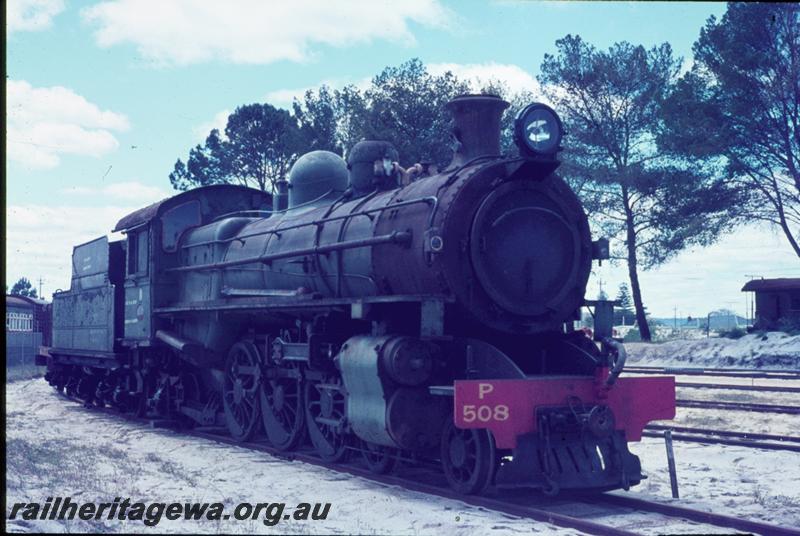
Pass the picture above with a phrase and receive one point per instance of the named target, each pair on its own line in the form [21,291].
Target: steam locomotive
[409,314]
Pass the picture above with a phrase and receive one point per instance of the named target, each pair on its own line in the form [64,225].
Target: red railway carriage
[407,314]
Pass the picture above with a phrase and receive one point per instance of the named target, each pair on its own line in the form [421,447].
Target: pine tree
[23,287]
[624,313]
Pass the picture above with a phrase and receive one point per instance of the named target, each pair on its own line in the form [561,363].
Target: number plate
[507,408]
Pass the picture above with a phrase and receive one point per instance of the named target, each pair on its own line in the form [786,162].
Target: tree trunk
[636,290]
[641,319]
[787,231]
[790,237]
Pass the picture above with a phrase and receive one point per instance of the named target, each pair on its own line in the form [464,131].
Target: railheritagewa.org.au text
[151,513]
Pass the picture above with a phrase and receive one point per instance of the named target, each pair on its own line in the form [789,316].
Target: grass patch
[774,501]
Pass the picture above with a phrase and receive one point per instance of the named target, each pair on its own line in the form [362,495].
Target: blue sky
[104,96]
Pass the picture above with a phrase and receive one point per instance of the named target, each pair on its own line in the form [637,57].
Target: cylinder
[408,360]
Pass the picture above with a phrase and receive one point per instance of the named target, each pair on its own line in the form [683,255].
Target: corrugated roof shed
[16,299]
[781,283]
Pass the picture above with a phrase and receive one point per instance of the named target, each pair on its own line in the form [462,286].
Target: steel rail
[722,369]
[731,373]
[530,512]
[734,387]
[709,440]
[726,433]
[699,516]
[738,406]
[536,513]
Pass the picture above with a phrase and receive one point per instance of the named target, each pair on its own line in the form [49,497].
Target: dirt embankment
[765,350]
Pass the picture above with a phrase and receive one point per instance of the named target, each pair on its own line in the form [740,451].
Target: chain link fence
[21,350]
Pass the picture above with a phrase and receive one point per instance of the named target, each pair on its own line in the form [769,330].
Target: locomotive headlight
[537,130]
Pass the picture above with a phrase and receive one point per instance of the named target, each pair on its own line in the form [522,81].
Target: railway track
[735,387]
[726,437]
[532,505]
[774,374]
[738,406]
[567,512]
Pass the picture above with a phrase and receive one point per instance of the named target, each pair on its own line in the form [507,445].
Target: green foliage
[624,312]
[23,287]
[404,105]
[261,143]
[207,164]
[610,102]
[624,297]
[736,115]
[317,119]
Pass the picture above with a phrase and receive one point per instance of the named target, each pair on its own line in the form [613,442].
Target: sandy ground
[755,484]
[55,447]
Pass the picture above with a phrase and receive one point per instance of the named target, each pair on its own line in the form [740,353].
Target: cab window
[137,252]
[177,220]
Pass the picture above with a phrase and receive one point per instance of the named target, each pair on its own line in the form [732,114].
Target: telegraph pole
[40,288]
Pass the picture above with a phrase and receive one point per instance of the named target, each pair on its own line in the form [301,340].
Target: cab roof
[150,212]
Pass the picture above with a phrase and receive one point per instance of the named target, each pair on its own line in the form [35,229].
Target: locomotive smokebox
[476,126]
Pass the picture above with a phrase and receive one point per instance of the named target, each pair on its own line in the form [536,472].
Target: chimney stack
[476,126]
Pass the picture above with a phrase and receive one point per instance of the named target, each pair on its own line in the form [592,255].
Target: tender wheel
[282,408]
[325,418]
[240,391]
[122,398]
[379,459]
[468,458]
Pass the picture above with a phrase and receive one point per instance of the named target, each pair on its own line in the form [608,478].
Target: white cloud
[43,123]
[219,121]
[686,65]
[283,98]
[40,238]
[480,74]
[133,191]
[31,15]
[700,280]
[253,31]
